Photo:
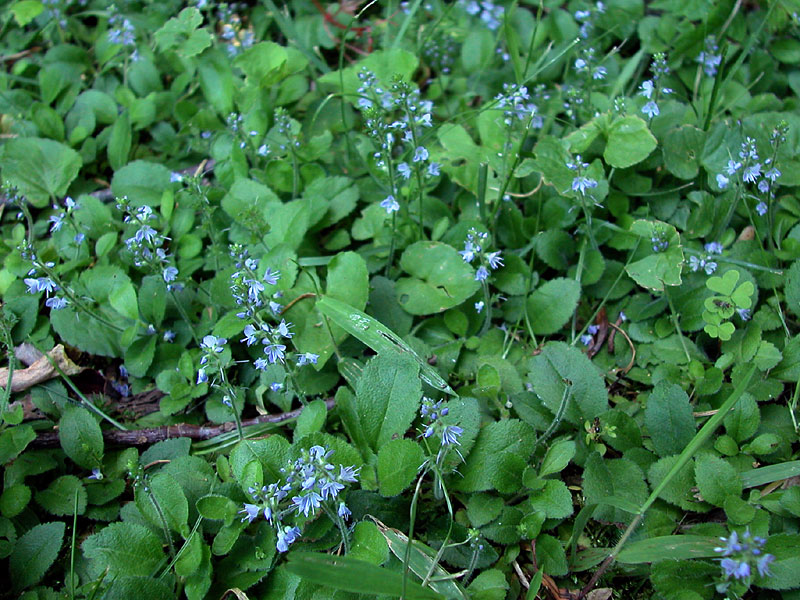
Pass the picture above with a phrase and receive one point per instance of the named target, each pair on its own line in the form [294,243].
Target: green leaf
[668,547]
[122,298]
[14,499]
[551,305]
[619,477]
[216,80]
[14,440]
[142,182]
[785,569]
[348,279]
[439,279]
[40,168]
[398,462]
[489,585]
[353,575]
[368,544]
[263,64]
[125,549]
[217,508]
[716,479]
[770,473]
[119,144]
[164,497]
[554,500]
[629,142]
[182,33]
[483,509]
[557,457]
[81,437]
[33,554]
[668,418]
[311,419]
[509,435]
[387,397]
[138,588]
[562,372]
[791,288]
[378,337]
[59,497]
[657,269]
[683,148]
[26,11]
[678,490]
[250,203]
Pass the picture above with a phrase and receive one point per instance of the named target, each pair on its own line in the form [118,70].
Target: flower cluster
[653,88]
[706,263]
[146,244]
[740,555]
[588,18]
[710,57]
[516,105]
[57,220]
[588,66]
[430,412]
[396,120]
[122,30]
[473,249]
[490,13]
[659,240]
[233,32]
[440,52]
[750,168]
[308,484]
[49,283]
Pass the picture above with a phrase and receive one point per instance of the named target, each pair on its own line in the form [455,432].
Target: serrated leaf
[164,498]
[40,168]
[398,462]
[125,549]
[59,497]
[509,435]
[557,457]
[34,552]
[551,305]
[716,479]
[80,437]
[669,420]
[387,397]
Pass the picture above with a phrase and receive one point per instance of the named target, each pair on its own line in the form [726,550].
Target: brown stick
[143,437]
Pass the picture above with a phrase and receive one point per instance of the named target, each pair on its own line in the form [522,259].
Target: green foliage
[498,278]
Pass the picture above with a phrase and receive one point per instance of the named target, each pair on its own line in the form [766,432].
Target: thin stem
[487,306]
[185,316]
[12,364]
[412,519]
[674,314]
[161,517]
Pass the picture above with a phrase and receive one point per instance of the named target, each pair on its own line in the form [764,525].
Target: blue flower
[202,377]
[56,303]
[751,173]
[481,273]
[390,204]
[581,184]
[307,503]
[275,386]
[420,154]
[494,260]
[286,537]
[468,253]
[586,339]
[646,89]
[343,511]
[348,474]
[271,277]
[433,169]
[772,174]
[450,434]
[713,248]
[732,167]
[169,274]
[250,512]
[283,329]
[307,358]
[651,109]
[763,564]
[274,352]
[57,221]
[761,208]
[212,343]
[722,181]
[479,306]
[330,489]
[739,570]
[404,170]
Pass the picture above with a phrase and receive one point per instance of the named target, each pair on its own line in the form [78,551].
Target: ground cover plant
[422,299]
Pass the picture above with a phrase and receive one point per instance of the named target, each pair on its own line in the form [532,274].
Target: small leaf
[557,457]
[125,549]
[398,462]
[81,437]
[716,479]
[629,142]
[669,420]
[59,497]
[551,305]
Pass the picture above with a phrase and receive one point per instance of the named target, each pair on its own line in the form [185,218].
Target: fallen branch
[151,435]
[40,371]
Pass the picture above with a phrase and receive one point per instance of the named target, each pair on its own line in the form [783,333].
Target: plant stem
[675,322]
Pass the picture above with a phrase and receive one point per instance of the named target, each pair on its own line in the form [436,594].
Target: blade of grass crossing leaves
[353,575]
[378,337]
[770,473]
[669,547]
[421,561]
